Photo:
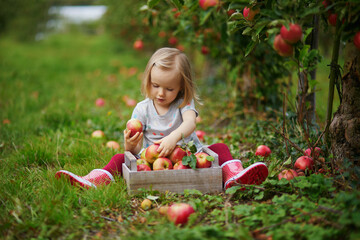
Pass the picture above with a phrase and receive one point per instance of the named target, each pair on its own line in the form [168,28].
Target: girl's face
[164,86]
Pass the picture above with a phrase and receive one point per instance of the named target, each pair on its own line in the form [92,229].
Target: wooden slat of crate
[207,180]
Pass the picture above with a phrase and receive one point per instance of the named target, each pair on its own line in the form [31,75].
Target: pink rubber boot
[233,173]
[95,178]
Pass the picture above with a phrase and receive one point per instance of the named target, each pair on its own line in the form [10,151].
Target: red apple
[162,164]
[179,166]
[288,174]
[100,102]
[293,34]
[173,41]
[201,161]
[263,151]
[205,4]
[113,145]
[143,167]
[138,45]
[146,204]
[143,161]
[357,40]
[142,155]
[177,155]
[304,163]
[151,153]
[179,213]
[200,134]
[98,134]
[249,13]
[130,102]
[283,48]
[205,50]
[318,151]
[332,19]
[230,12]
[135,126]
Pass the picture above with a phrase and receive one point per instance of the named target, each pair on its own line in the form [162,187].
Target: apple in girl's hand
[201,161]
[263,151]
[146,204]
[288,174]
[179,166]
[152,153]
[177,155]
[100,102]
[162,164]
[204,4]
[200,134]
[179,213]
[113,145]
[143,167]
[135,126]
[303,163]
[317,153]
[98,134]
[291,35]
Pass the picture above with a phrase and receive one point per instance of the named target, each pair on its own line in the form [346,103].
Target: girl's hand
[167,145]
[132,143]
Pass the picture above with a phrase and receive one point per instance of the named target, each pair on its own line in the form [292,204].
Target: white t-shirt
[156,126]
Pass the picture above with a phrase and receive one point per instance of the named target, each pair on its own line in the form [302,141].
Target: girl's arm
[168,143]
[133,144]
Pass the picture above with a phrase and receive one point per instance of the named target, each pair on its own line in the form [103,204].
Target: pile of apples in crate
[150,159]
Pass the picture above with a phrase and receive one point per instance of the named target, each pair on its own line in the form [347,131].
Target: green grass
[48,91]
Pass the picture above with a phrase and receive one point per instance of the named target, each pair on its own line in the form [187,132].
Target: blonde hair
[169,59]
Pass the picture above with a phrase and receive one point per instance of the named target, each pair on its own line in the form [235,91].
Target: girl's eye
[170,89]
[155,86]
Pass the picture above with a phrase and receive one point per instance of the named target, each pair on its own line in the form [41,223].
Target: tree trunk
[345,126]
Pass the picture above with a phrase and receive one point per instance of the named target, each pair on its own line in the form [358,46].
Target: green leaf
[205,17]
[249,48]
[232,190]
[178,3]
[210,158]
[152,3]
[189,161]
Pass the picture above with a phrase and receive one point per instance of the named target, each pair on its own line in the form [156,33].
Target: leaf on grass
[151,197]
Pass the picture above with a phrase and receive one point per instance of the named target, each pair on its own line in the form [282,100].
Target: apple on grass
[98,134]
[100,102]
[152,153]
[177,154]
[317,152]
[146,204]
[135,126]
[200,134]
[179,213]
[162,164]
[291,35]
[201,161]
[163,210]
[179,165]
[263,151]
[113,145]
[287,174]
[304,163]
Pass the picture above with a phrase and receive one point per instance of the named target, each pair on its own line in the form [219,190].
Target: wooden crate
[206,180]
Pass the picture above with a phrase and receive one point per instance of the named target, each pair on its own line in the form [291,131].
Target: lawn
[47,100]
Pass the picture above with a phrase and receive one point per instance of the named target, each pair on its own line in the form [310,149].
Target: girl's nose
[161,92]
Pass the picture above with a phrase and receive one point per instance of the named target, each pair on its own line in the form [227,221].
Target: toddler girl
[168,116]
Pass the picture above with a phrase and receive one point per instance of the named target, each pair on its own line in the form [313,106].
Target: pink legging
[115,164]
